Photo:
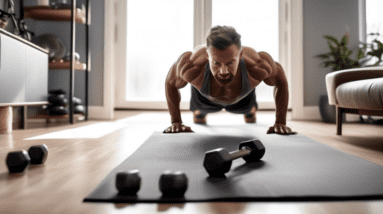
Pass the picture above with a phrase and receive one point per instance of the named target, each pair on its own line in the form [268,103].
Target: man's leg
[200,106]
[247,106]
[251,117]
[199,117]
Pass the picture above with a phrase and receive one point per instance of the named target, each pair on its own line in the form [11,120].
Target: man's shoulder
[199,56]
[250,55]
[191,66]
[259,64]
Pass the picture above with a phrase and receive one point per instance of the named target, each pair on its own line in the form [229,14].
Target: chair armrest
[334,79]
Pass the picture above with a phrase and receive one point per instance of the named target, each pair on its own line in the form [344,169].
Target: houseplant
[376,50]
[338,58]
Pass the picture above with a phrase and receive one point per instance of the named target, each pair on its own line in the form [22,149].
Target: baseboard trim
[99,112]
[307,113]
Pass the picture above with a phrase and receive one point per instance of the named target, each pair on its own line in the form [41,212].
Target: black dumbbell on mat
[20,160]
[128,183]
[218,161]
[173,184]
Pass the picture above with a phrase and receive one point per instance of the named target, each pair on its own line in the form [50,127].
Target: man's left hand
[280,128]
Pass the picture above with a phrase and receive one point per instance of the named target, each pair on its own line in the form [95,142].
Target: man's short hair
[221,37]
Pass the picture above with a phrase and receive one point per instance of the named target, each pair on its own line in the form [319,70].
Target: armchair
[356,91]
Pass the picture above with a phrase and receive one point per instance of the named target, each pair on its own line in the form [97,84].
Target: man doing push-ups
[223,75]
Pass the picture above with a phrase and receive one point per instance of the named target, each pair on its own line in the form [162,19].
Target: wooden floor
[81,155]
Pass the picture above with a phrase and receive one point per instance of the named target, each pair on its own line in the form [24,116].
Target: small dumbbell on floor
[128,183]
[218,161]
[19,161]
[173,184]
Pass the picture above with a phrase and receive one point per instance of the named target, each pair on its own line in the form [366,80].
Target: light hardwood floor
[81,155]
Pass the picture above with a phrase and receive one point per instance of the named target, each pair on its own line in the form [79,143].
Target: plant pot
[327,111]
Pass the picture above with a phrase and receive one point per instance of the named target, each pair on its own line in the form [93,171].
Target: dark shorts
[204,105]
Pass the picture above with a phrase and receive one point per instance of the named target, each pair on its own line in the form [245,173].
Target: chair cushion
[361,94]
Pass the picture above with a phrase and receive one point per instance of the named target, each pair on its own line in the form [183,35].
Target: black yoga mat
[294,168]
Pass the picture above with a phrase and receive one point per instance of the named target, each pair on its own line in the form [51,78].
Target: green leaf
[323,56]
[333,39]
[332,48]
[360,54]
[344,41]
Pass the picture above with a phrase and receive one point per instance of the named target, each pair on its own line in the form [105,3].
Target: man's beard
[224,82]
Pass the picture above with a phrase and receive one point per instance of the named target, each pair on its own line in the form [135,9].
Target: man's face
[224,63]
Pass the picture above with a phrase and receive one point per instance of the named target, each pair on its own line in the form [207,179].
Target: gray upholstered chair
[356,91]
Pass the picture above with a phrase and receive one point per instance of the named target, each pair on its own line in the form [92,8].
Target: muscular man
[223,74]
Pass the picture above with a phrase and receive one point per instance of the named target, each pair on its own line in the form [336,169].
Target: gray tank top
[246,89]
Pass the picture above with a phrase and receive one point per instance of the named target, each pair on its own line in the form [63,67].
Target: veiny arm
[174,82]
[277,78]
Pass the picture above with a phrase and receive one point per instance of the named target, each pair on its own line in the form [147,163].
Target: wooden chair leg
[339,114]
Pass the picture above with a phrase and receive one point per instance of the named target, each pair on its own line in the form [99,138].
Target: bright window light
[257,22]
[158,32]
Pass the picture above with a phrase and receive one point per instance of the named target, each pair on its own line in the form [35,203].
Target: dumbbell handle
[240,153]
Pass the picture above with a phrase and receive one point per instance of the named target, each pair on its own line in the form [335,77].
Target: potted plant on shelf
[376,50]
[338,58]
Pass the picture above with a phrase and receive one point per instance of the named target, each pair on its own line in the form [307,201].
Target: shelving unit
[73,15]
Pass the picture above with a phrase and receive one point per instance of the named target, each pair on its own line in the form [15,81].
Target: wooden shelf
[46,13]
[64,65]
[77,117]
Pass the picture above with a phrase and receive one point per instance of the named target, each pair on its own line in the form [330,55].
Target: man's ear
[240,54]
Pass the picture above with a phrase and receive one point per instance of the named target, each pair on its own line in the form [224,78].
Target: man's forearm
[173,98]
[281,95]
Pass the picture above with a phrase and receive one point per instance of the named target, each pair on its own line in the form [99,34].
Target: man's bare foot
[251,117]
[198,117]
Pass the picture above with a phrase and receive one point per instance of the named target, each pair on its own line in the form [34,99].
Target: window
[257,22]
[374,22]
[156,36]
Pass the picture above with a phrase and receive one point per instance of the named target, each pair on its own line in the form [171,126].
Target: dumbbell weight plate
[57,100]
[56,91]
[18,161]
[257,150]
[173,184]
[79,109]
[76,101]
[217,162]
[38,154]
[58,110]
[128,183]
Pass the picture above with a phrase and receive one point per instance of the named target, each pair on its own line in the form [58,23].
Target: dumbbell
[128,183]
[20,160]
[173,184]
[218,161]
[58,100]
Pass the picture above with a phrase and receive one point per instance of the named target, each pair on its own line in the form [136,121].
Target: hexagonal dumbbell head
[173,184]
[38,154]
[128,183]
[217,162]
[257,150]
[18,161]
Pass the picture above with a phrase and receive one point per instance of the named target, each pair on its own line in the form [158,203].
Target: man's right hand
[177,127]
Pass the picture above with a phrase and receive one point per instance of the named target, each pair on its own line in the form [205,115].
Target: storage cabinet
[72,16]
[23,77]
[23,72]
